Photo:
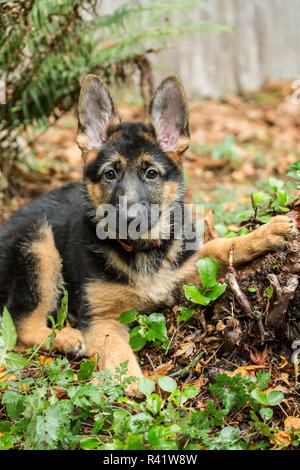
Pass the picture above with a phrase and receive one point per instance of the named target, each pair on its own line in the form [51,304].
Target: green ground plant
[50,406]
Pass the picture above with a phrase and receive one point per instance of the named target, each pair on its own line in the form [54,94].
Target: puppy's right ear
[96,112]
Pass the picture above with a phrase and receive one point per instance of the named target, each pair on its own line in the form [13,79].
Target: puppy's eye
[151,174]
[110,175]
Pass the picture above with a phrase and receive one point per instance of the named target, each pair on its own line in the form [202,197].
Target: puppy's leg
[35,291]
[102,333]
[110,339]
[269,237]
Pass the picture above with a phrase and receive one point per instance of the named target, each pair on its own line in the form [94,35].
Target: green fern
[47,46]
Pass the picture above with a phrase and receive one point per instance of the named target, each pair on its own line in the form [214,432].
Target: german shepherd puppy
[53,239]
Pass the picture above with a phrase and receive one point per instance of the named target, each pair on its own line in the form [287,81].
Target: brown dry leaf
[211,339]
[171,329]
[246,370]
[279,388]
[209,220]
[220,326]
[284,377]
[3,373]
[60,392]
[292,422]
[259,358]
[186,349]
[281,438]
[198,383]
[282,363]
[163,369]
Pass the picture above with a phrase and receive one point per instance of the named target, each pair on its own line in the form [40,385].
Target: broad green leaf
[221,230]
[193,294]
[165,444]
[86,370]
[243,231]
[216,291]
[115,444]
[8,330]
[89,443]
[294,170]
[14,403]
[157,323]
[136,341]
[190,391]
[2,350]
[5,426]
[275,184]
[154,403]
[266,413]
[260,198]
[265,218]
[275,397]
[128,316]
[167,383]
[208,270]
[186,313]
[134,442]
[229,432]
[146,386]
[191,447]
[260,397]
[15,361]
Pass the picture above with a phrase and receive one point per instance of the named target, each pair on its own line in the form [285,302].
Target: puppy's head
[136,162]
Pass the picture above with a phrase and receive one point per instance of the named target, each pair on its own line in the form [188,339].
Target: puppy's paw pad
[280,230]
[134,391]
[70,341]
[78,353]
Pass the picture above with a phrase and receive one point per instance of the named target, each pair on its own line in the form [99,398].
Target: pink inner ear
[96,125]
[167,134]
[97,134]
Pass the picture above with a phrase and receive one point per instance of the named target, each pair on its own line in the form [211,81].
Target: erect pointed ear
[96,111]
[168,112]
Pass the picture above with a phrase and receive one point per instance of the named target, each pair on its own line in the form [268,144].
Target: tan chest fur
[147,289]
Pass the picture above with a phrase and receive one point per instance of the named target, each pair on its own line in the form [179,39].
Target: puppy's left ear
[168,113]
[96,112]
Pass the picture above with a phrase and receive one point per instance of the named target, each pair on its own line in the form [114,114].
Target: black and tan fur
[53,239]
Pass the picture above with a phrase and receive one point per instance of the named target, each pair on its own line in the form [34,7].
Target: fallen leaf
[292,422]
[258,357]
[209,220]
[246,370]
[279,388]
[282,363]
[164,368]
[281,438]
[186,349]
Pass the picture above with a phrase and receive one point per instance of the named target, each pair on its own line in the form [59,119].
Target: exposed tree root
[263,298]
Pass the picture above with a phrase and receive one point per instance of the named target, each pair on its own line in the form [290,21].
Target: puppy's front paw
[70,341]
[278,231]
[133,390]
